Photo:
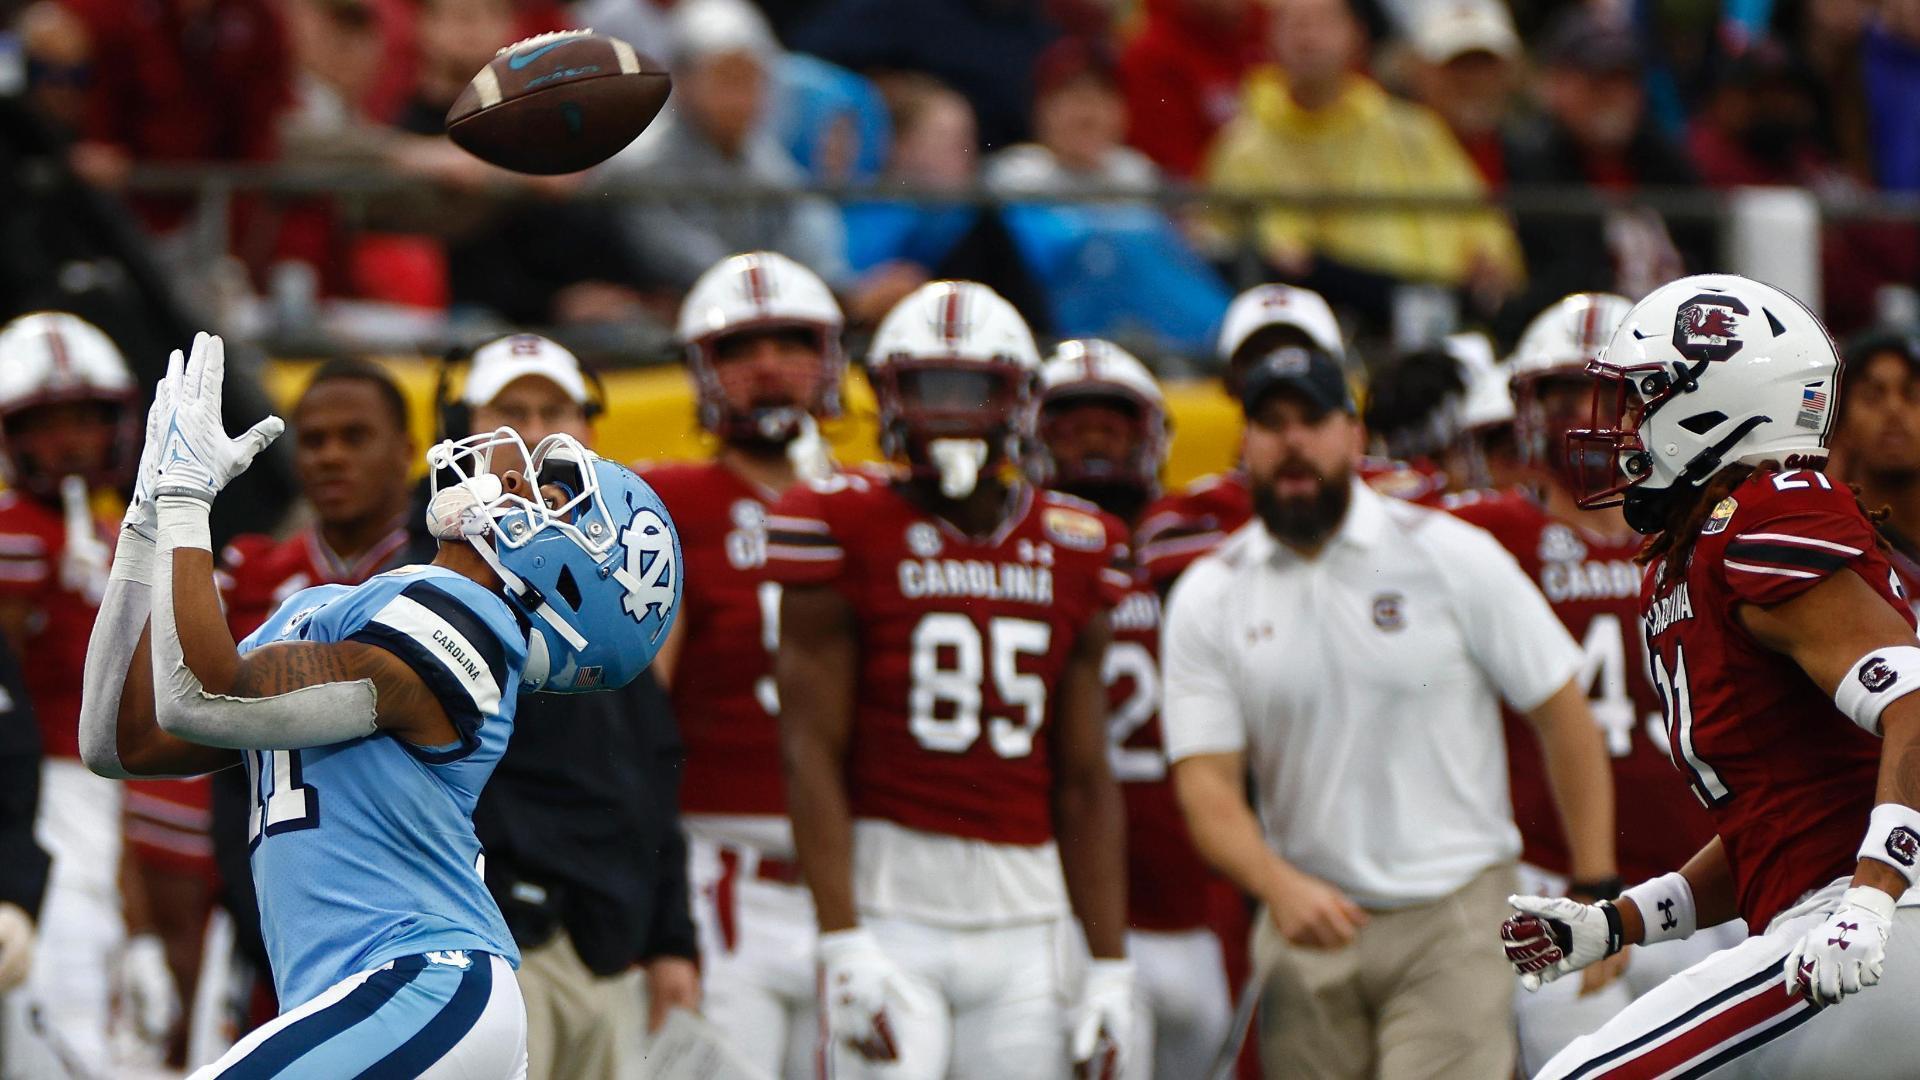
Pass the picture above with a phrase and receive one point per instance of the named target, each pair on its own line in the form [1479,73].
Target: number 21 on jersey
[282,802]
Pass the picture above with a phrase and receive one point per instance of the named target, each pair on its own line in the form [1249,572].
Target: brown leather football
[558,103]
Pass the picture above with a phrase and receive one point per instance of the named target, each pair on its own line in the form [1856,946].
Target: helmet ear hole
[568,588]
[1701,423]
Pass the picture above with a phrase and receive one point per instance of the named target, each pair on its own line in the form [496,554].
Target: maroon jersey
[33,540]
[963,642]
[258,573]
[1184,525]
[1593,584]
[723,692]
[1789,779]
[1166,879]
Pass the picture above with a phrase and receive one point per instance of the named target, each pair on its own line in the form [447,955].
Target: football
[558,103]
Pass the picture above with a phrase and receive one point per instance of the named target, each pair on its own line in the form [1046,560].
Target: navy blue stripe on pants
[445,1030]
[299,1038]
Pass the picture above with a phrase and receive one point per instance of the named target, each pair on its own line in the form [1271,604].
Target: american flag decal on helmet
[1813,405]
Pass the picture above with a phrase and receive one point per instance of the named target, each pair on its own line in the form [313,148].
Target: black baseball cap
[1310,372]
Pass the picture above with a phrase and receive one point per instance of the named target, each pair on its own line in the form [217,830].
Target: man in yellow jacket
[1311,125]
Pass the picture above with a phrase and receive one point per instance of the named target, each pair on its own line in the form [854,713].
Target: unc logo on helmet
[651,575]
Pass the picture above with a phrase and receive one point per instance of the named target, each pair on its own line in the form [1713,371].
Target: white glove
[1845,954]
[1103,1021]
[859,981]
[84,557]
[1553,936]
[140,515]
[149,1000]
[199,459]
[16,946]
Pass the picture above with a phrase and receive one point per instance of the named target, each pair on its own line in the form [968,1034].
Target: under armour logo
[1667,921]
[1845,928]
[1261,632]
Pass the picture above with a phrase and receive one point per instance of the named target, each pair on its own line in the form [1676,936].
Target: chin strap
[529,597]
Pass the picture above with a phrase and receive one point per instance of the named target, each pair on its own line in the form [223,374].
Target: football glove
[140,513]
[198,459]
[16,946]
[1845,954]
[143,982]
[1103,1021]
[859,982]
[1551,936]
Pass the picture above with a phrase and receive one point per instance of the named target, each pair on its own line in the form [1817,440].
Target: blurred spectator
[533,261]
[1760,126]
[1110,269]
[1877,443]
[1595,131]
[713,138]
[1830,32]
[831,121]
[1182,73]
[647,25]
[59,64]
[180,81]
[1314,125]
[1893,87]
[1465,67]
[985,49]
[935,151]
[1079,119]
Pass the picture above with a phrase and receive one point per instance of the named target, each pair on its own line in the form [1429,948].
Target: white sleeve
[1514,636]
[115,637]
[1200,708]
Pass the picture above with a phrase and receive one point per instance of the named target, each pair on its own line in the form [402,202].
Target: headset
[453,418]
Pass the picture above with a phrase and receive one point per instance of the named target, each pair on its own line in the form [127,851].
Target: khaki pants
[580,1026]
[1422,992]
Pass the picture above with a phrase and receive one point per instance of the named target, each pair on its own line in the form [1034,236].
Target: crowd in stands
[1027,100]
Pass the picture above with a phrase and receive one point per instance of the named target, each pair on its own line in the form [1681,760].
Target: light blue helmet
[596,576]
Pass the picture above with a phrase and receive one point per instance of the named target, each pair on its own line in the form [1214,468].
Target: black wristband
[1607,888]
[1616,934]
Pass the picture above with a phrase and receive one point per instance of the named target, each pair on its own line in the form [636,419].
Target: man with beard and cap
[1349,651]
[762,335]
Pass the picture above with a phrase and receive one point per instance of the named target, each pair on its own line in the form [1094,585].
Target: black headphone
[453,418]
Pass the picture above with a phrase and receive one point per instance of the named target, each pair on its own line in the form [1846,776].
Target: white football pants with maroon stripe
[756,957]
[1730,1016]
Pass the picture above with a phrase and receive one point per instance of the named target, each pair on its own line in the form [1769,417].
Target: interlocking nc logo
[1845,928]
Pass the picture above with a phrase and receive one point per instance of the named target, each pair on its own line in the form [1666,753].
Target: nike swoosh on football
[520,60]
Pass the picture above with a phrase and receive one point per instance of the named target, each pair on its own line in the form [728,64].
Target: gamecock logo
[1876,675]
[1903,845]
[1706,327]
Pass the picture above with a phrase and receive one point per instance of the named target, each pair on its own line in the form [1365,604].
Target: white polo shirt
[1362,685]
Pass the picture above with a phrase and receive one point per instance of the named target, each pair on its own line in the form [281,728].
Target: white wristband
[183,523]
[1893,837]
[1875,681]
[1666,907]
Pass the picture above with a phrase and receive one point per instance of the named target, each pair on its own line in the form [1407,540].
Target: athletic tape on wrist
[1893,837]
[1875,681]
[1666,908]
[132,557]
[184,523]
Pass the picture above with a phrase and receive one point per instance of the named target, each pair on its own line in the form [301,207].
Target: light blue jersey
[363,852]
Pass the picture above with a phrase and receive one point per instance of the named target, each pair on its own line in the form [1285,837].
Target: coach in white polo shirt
[1350,651]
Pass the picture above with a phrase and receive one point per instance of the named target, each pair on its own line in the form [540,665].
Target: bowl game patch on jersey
[1072,528]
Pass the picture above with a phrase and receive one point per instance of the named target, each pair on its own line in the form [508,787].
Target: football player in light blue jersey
[369,718]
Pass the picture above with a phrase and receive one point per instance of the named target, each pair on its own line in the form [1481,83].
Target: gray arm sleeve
[116,633]
[310,716]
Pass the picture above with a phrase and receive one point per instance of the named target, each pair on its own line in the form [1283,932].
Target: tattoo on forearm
[279,668]
[1904,782]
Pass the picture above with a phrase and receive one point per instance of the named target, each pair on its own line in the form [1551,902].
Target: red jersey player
[1784,659]
[1103,437]
[66,421]
[1583,562]
[762,335]
[942,636]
